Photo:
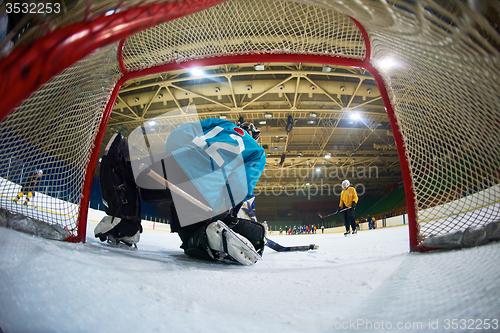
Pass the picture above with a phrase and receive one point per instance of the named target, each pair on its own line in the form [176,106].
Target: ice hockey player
[29,186]
[217,163]
[348,199]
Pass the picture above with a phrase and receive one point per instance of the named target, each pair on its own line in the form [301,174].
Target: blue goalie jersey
[221,160]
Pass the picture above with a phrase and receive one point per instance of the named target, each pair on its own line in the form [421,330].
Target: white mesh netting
[54,131]
[246,27]
[443,86]
[447,105]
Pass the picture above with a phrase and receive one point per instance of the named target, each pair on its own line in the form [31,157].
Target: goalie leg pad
[228,245]
[216,241]
[119,191]
[104,227]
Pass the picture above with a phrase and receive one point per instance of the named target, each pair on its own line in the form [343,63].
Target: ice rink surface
[363,283]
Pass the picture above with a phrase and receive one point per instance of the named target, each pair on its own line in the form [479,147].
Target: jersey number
[212,151]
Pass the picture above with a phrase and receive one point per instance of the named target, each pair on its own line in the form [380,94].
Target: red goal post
[447,69]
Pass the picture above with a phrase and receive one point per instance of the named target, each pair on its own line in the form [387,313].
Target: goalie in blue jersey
[206,172]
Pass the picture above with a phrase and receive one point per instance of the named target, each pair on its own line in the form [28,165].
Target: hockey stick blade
[280,248]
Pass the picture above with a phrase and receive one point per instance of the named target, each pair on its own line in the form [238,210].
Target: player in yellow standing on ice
[29,186]
[348,199]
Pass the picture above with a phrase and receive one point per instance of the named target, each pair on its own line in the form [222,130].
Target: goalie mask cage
[442,98]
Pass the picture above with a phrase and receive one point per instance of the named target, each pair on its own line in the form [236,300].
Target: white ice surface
[346,285]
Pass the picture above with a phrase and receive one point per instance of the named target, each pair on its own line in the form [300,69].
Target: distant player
[214,162]
[29,186]
[348,198]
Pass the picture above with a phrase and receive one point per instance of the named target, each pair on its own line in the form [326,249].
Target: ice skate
[129,242]
[230,244]
[354,232]
[347,233]
[104,231]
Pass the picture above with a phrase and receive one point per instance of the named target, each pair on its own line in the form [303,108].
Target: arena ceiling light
[152,123]
[197,71]
[259,67]
[268,115]
[355,115]
[326,69]
[387,62]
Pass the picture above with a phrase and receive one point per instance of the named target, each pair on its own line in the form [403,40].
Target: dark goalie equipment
[196,245]
[119,192]
[251,129]
[251,230]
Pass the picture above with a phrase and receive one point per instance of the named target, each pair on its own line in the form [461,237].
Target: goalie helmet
[250,129]
[39,172]
[346,184]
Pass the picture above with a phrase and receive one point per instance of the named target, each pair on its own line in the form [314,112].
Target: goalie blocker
[224,237]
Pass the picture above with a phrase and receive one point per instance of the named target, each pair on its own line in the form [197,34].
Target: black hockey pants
[349,219]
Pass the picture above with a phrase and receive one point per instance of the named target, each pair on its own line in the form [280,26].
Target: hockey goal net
[441,93]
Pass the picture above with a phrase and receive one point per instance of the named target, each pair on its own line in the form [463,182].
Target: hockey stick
[178,191]
[340,211]
[280,248]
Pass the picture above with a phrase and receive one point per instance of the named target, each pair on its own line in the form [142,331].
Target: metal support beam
[128,107]
[228,77]
[173,97]
[151,101]
[267,91]
[294,106]
[201,96]
[323,91]
[354,93]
